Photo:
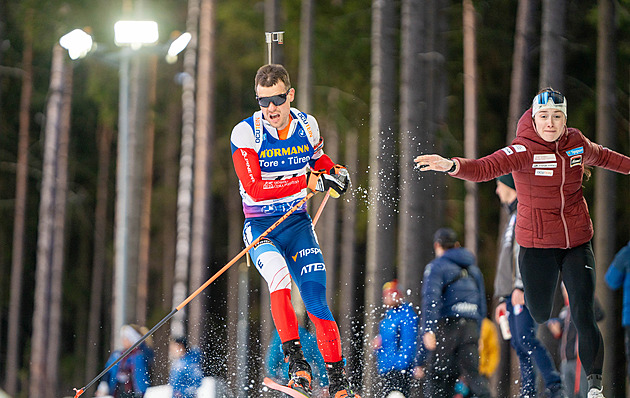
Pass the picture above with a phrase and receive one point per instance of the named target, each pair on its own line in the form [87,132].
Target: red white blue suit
[272,179]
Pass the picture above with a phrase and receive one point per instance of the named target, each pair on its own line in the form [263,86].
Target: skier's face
[549,124]
[278,115]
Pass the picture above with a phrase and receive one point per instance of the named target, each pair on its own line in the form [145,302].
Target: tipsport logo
[306,252]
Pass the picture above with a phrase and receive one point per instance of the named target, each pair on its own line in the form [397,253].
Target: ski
[282,388]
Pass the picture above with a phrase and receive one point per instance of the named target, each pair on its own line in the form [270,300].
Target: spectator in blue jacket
[278,369]
[186,373]
[618,275]
[396,342]
[129,378]
[453,307]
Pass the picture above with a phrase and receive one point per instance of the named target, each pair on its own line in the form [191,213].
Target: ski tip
[274,385]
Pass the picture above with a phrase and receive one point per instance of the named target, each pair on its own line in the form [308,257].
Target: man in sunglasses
[278,156]
[553,226]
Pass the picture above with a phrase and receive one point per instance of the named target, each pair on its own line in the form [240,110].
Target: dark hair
[445,237]
[183,341]
[507,179]
[271,74]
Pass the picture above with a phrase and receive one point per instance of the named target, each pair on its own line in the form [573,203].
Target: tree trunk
[21,189]
[605,184]
[104,139]
[204,140]
[56,280]
[235,245]
[521,59]
[41,316]
[383,178]
[552,54]
[139,108]
[305,76]
[184,192]
[3,24]
[328,235]
[349,320]
[471,202]
[414,122]
[146,193]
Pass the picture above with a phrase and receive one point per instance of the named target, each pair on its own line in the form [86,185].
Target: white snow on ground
[207,390]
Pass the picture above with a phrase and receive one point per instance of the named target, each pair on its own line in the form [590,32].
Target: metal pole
[268,41]
[122,199]
[270,37]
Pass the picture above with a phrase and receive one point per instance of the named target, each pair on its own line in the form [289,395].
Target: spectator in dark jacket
[186,373]
[508,288]
[396,342]
[453,307]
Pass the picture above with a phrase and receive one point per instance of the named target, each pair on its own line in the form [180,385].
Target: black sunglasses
[277,99]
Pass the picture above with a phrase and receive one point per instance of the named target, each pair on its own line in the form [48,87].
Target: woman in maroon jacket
[553,225]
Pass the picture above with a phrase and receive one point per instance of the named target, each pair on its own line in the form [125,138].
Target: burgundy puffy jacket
[552,211]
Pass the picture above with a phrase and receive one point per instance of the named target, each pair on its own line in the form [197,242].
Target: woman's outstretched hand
[434,163]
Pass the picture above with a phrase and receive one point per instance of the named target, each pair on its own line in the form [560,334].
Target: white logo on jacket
[546,173]
[544,165]
[545,157]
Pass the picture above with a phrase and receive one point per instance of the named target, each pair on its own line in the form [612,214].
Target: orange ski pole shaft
[321,208]
[80,391]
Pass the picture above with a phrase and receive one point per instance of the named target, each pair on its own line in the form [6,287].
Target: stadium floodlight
[135,33]
[78,43]
[177,46]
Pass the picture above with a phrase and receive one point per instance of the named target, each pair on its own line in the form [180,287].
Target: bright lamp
[135,33]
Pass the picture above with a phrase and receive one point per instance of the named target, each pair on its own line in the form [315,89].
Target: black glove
[322,182]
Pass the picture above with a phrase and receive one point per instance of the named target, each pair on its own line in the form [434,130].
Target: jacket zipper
[564,221]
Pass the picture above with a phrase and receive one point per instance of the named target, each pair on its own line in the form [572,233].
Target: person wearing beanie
[395,345]
[129,378]
[548,161]
[508,289]
[453,308]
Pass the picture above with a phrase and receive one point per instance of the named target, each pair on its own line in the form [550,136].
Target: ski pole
[196,292]
[321,208]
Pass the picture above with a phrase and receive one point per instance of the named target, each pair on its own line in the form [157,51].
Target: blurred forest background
[387,80]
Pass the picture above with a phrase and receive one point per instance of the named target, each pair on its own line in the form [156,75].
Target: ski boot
[339,385]
[299,370]
[595,386]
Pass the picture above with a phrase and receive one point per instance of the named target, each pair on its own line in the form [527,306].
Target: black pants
[540,269]
[456,355]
